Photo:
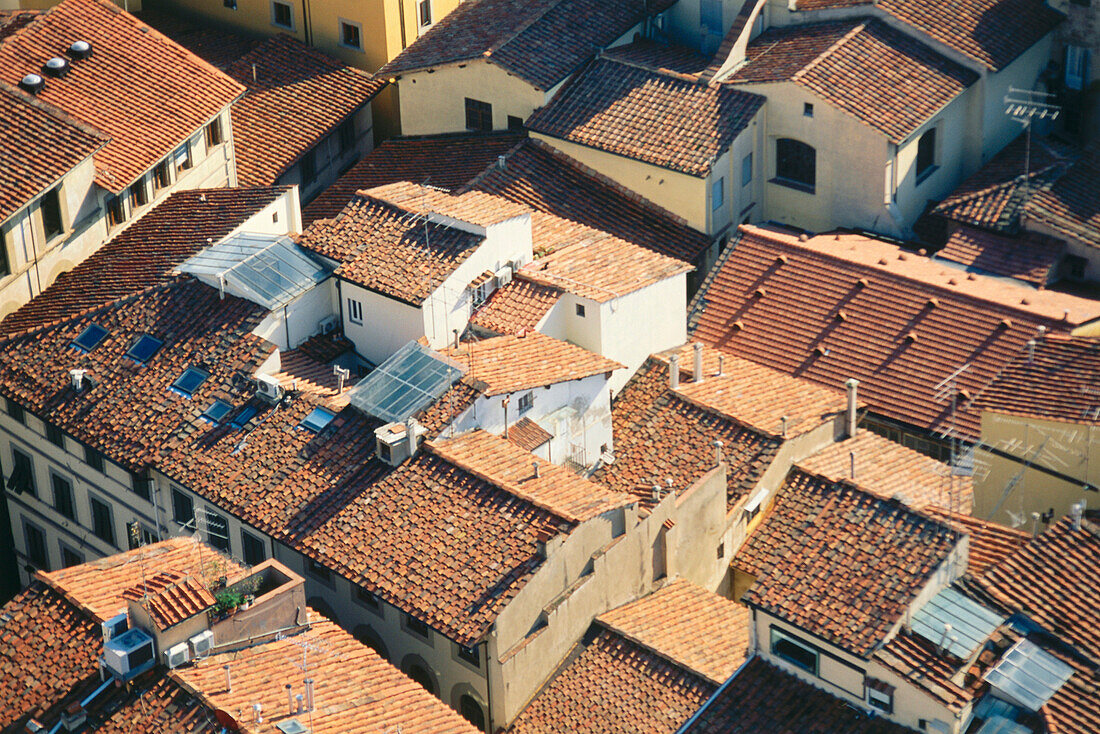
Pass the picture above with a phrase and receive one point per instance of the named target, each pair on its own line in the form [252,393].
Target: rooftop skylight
[1028,676]
[187,383]
[144,348]
[317,420]
[90,338]
[242,419]
[971,623]
[217,412]
[410,380]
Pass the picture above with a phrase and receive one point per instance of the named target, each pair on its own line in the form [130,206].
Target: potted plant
[226,602]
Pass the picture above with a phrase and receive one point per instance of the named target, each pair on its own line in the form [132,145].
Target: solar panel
[1028,676]
[187,383]
[90,338]
[410,380]
[217,411]
[144,348]
[317,420]
[971,623]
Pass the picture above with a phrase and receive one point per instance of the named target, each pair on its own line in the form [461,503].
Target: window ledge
[796,185]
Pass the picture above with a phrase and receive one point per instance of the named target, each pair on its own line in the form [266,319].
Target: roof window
[217,412]
[90,338]
[242,419]
[144,349]
[317,420]
[187,383]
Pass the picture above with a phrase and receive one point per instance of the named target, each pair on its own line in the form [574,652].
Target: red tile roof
[839,562]
[898,322]
[1030,258]
[1058,380]
[920,664]
[40,146]
[12,20]
[513,362]
[170,598]
[615,686]
[521,304]
[216,44]
[990,543]
[144,253]
[862,66]
[889,469]
[475,207]
[528,435]
[541,42]
[297,96]
[145,92]
[659,56]
[658,117]
[160,705]
[688,625]
[661,437]
[1069,205]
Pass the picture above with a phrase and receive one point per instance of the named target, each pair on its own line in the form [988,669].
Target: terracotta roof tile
[920,664]
[40,145]
[160,705]
[296,95]
[1069,205]
[521,304]
[145,92]
[170,598]
[216,44]
[889,469]
[475,207]
[1030,258]
[528,435]
[512,362]
[990,543]
[882,77]
[143,254]
[660,56]
[658,117]
[540,42]
[686,624]
[839,562]
[661,437]
[858,300]
[12,20]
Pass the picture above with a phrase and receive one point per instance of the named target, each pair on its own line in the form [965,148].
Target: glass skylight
[187,383]
[971,623]
[217,411]
[409,381]
[1028,676]
[317,420]
[90,338]
[144,348]
[246,414]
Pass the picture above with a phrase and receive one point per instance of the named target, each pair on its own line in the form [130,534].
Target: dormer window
[187,383]
[90,338]
[144,349]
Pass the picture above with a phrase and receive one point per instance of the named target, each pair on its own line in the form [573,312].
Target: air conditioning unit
[128,654]
[392,444]
[328,325]
[177,655]
[504,276]
[201,644]
[115,626]
[269,388]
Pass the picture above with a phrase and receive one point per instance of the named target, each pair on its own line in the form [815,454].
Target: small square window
[144,349]
[526,402]
[880,696]
[252,548]
[217,531]
[190,381]
[425,7]
[183,157]
[367,599]
[183,508]
[162,175]
[479,115]
[217,412]
[69,557]
[93,458]
[350,35]
[515,123]
[355,311]
[116,211]
[90,338]
[319,571]
[21,479]
[139,194]
[807,110]
[52,223]
[282,15]
[718,193]
[317,420]
[418,628]
[15,410]
[471,655]
[214,133]
[580,310]
[55,435]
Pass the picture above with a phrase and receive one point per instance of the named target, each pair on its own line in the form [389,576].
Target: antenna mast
[1023,106]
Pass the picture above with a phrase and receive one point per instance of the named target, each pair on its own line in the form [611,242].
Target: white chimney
[228,680]
[721,364]
[698,366]
[535,466]
[310,704]
[77,377]
[852,384]
[301,706]
[1076,510]
[410,435]
[718,452]
[674,371]
[257,709]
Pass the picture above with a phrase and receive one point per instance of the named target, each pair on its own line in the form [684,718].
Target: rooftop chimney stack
[697,368]
[290,699]
[852,461]
[257,711]
[504,404]
[502,162]
[310,703]
[410,435]
[1030,351]
[1076,511]
[718,452]
[301,706]
[77,377]
[721,364]
[783,426]
[228,679]
[853,385]
[456,337]
[535,466]
[674,371]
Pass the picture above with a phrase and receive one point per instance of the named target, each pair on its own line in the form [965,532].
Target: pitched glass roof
[266,269]
[409,381]
[1028,676]
[90,338]
[971,623]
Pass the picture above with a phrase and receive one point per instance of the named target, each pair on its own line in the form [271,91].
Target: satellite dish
[226,720]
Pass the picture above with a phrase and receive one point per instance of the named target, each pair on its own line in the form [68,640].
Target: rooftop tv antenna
[1023,106]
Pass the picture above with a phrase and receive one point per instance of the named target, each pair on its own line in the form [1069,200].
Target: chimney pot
[1030,351]
[535,467]
[228,679]
[502,162]
[721,364]
[456,337]
[852,461]
[310,703]
[853,386]
[674,371]
[718,452]
[290,699]
[697,369]
[410,436]
[783,426]
[301,706]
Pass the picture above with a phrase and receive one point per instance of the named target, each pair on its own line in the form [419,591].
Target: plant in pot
[226,602]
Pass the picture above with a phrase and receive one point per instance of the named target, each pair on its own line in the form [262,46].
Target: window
[1074,267]
[55,435]
[90,338]
[795,164]
[721,552]
[515,123]
[141,486]
[471,655]
[319,571]
[143,349]
[217,531]
[526,402]
[367,599]
[425,11]
[162,175]
[317,420]
[479,115]
[63,496]
[355,311]
[103,525]
[347,134]
[282,14]
[926,154]
[214,133]
[718,193]
[36,546]
[51,214]
[746,170]
[710,17]
[217,412]
[807,110]
[792,650]
[418,628]
[1077,61]
[880,695]
[183,508]
[93,458]
[15,410]
[5,263]
[351,35]
[22,473]
[116,211]
[190,381]
[183,158]
[231,4]
[308,167]
[252,549]
[69,557]
[580,310]
[139,194]
[471,711]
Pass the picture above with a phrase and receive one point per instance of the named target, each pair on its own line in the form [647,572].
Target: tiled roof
[541,42]
[160,705]
[528,435]
[839,562]
[920,664]
[129,412]
[1030,258]
[514,362]
[662,118]
[475,207]
[355,690]
[661,437]
[445,161]
[300,371]
[142,90]
[144,253]
[762,698]
[553,183]
[898,322]
[1061,381]
[655,55]
[216,44]
[889,469]
[504,464]
[871,71]
[686,624]
[383,250]
[297,96]
[521,304]
[1069,205]
[12,20]
[40,145]
[170,598]
[990,542]
[615,686]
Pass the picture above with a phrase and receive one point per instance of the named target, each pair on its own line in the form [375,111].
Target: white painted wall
[291,324]
[387,325]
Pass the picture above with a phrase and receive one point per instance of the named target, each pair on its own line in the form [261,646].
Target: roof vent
[32,83]
[80,50]
[57,67]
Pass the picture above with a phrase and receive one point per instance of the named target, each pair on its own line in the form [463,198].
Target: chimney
[853,385]
[289,699]
[535,466]
[674,371]
[410,435]
[1030,351]
[504,404]
[697,368]
[228,679]
[1076,510]
[721,364]
[718,452]
[301,706]
[77,377]
[943,639]
[310,703]
[783,426]
[253,73]
[257,711]
[342,374]
[456,337]
[852,462]
[502,162]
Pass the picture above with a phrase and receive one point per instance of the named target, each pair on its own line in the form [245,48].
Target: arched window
[471,710]
[371,639]
[926,153]
[418,670]
[795,164]
[323,608]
